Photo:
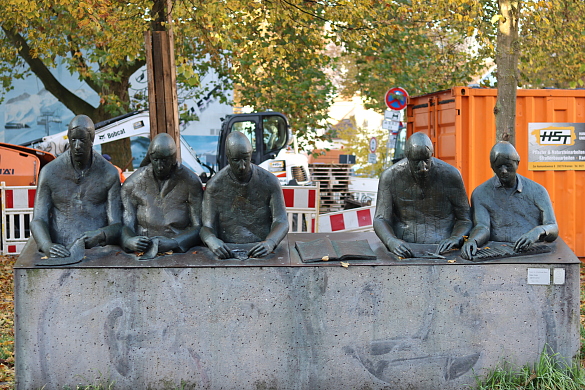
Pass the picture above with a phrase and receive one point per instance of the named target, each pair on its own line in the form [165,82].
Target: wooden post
[162,82]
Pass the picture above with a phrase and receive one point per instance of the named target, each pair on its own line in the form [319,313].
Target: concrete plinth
[280,324]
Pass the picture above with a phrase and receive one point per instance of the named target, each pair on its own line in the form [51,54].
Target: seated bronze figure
[78,196]
[509,207]
[161,200]
[243,203]
[421,200]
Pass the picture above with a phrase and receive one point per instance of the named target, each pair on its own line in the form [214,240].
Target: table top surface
[286,255]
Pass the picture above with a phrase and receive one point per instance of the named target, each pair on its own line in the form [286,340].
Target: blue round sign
[396,98]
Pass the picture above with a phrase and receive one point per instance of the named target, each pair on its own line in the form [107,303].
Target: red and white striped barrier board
[20,197]
[17,209]
[300,197]
[353,220]
[302,208]
[13,248]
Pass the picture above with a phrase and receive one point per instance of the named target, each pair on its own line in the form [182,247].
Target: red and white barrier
[17,209]
[353,220]
[302,208]
[301,197]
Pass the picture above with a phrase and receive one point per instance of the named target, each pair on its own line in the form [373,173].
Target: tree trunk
[121,153]
[119,150]
[507,53]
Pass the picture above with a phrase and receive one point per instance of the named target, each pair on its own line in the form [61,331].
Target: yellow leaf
[344,265]
[451,261]
[325,258]
[496,18]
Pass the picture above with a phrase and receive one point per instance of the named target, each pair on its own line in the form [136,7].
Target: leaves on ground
[6,322]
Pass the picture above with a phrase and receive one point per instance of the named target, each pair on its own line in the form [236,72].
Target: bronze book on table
[326,250]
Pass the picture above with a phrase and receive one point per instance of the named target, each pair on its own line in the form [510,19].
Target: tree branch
[82,64]
[69,99]
[129,69]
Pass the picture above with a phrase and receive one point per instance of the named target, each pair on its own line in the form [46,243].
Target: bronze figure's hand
[400,248]
[219,248]
[469,249]
[58,250]
[448,243]
[138,243]
[262,249]
[527,239]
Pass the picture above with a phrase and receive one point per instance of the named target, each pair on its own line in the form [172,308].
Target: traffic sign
[372,158]
[396,98]
[373,144]
[391,125]
[391,115]
[392,141]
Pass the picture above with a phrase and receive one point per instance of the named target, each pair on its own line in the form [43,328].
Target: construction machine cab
[268,133]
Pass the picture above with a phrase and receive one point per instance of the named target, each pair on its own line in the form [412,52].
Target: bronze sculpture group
[164,206]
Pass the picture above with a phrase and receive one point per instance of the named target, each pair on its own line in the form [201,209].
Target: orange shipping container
[461,124]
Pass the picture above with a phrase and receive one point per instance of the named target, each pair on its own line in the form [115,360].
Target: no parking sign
[396,98]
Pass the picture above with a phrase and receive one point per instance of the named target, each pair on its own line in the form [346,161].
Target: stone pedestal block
[189,320]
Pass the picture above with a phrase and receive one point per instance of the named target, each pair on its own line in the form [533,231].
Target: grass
[98,386]
[548,373]
[582,333]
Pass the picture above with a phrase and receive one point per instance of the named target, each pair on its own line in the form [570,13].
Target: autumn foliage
[288,56]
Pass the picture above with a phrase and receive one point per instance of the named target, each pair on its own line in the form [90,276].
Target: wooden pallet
[333,182]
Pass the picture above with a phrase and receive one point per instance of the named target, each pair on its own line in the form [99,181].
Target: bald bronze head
[504,160]
[163,155]
[419,152]
[82,122]
[81,132]
[505,149]
[239,154]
